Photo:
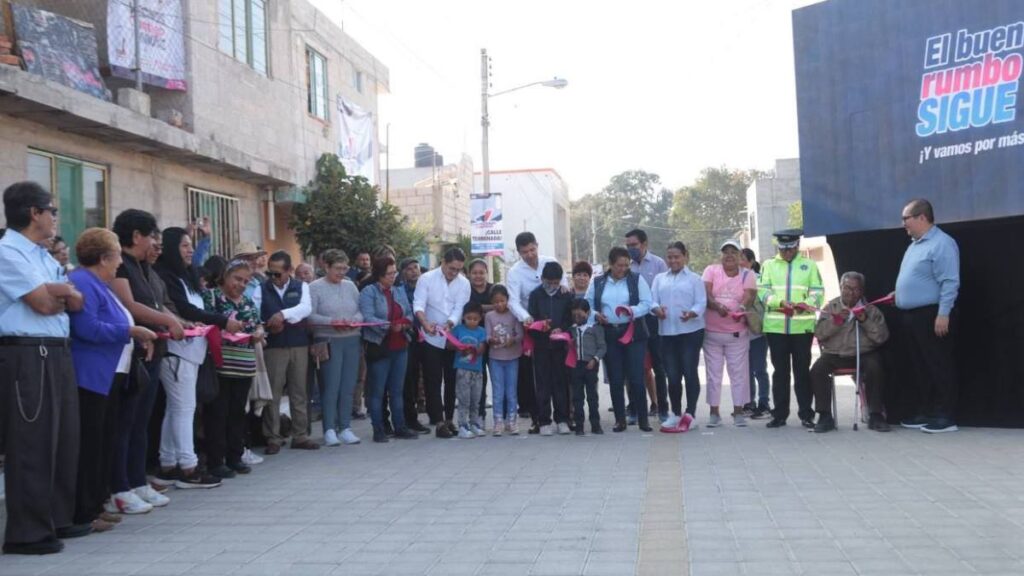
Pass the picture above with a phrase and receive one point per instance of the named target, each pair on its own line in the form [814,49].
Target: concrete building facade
[235,146]
[535,200]
[435,198]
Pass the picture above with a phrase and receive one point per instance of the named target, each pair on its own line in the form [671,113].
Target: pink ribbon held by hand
[626,311]
[537,326]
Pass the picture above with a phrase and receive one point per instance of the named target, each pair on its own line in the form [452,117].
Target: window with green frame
[242,31]
[316,83]
[79,189]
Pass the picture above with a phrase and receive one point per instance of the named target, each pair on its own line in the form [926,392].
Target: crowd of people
[140,369]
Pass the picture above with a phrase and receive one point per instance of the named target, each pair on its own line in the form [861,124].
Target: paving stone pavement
[709,502]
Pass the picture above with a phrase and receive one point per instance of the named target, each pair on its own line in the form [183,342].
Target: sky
[665,87]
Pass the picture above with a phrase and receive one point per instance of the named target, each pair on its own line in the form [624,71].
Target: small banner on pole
[485,224]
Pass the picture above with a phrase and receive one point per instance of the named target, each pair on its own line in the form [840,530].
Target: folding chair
[860,400]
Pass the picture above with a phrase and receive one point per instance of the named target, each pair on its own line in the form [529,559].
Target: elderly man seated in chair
[843,322]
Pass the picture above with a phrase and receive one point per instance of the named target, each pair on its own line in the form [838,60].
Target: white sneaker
[476,430]
[129,503]
[152,496]
[250,458]
[671,422]
[110,507]
[349,437]
[331,438]
[466,433]
[563,428]
[547,430]
[714,421]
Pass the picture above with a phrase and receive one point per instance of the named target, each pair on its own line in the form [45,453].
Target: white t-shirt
[125,363]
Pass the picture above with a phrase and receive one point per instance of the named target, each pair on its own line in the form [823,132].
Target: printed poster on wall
[161,45]
[485,224]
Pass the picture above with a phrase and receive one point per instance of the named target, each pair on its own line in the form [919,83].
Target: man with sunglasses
[38,390]
[285,305]
[791,289]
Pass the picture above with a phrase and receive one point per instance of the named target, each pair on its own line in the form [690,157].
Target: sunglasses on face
[274,274]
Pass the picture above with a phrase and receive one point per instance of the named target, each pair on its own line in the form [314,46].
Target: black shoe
[877,423]
[406,434]
[419,428]
[611,409]
[74,531]
[760,412]
[595,428]
[916,422]
[807,422]
[825,424]
[388,429]
[197,480]
[940,425]
[240,468]
[452,428]
[380,436]
[580,432]
[442,431]
[222,471]
[534,429]
[645,427]
[776,423]
[620,426]
[48,545]
[167,478]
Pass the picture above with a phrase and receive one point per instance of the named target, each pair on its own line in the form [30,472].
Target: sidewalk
[709,502]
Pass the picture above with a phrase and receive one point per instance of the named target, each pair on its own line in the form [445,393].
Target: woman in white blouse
[679,302]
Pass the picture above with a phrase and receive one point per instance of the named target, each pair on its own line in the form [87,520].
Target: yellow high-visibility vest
[796,281]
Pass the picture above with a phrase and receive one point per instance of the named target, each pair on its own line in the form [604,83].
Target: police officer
[790,287]
[38,391]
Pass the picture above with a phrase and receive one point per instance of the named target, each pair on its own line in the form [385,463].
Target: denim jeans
[504,387]
[338,375]
[759,371]
[388,373]
[682,354]
[626,362]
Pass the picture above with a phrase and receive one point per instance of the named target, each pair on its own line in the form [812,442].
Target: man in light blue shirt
[37,378]
[607,293]
[926,290]
[648,265]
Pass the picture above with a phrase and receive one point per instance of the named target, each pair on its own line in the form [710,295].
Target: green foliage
[710,211]
[632,199]
[346,212]
[795,217]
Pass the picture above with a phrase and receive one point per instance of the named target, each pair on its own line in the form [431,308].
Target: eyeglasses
[905,218]
[51,209]
[274,274]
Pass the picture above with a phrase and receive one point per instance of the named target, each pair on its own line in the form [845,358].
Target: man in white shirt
[438,301]
[524,278]
[648,265]
[285,304]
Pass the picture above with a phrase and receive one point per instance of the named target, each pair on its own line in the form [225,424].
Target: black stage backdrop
[988,321]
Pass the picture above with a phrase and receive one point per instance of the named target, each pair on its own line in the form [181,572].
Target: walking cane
[859,401]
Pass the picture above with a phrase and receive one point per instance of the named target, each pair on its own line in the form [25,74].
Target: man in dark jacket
[284,307]
[549,304]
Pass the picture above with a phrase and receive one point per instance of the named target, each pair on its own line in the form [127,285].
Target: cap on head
[789,238]
[731,242]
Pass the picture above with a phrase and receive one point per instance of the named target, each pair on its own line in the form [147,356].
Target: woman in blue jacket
[387,346]
[101,346]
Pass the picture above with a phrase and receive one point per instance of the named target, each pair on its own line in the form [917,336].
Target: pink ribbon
[195,332]
[528,343]
[889,299]
[628,336]
[345,324]
[570,357]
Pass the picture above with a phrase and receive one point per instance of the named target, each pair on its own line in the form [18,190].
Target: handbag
[138,377]
[755,314]
[207,385]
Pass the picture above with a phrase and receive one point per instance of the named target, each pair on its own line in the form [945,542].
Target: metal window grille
[222,211]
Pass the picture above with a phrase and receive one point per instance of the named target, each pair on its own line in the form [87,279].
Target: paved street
[710,502]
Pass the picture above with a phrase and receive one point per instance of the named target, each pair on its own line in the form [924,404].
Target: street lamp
[485,122]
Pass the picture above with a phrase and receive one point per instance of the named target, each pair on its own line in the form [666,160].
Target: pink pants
[724,347]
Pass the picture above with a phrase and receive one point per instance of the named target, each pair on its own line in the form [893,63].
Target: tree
[343,211]
[710,211]
[795,217]
[632,199]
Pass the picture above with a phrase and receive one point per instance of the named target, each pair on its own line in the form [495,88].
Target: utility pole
[485,152]
[137,16]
